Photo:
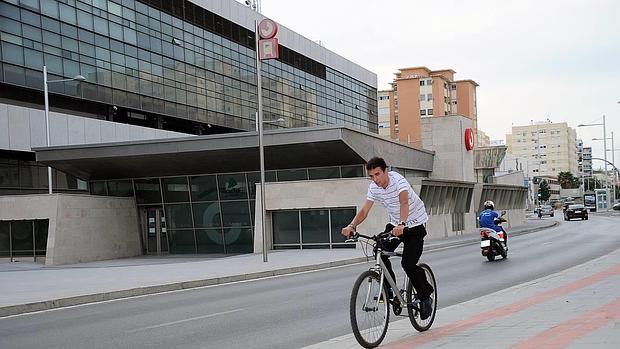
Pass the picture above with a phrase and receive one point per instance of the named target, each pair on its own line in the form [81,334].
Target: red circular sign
[267,29]
[469,139]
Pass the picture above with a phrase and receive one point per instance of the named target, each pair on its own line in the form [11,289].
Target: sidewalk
[576,308]
[28,287]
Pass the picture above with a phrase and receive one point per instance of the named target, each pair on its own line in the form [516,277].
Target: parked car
[575,211]
[547,210]
[616,206]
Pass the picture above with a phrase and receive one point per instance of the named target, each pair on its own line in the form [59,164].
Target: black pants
[413,244]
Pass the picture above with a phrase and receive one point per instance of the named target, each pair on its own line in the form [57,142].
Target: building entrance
[154,232]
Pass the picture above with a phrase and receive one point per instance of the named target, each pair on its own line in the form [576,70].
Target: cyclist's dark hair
[376,162]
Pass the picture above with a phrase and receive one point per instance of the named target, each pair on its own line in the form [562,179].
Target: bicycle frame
[384,274]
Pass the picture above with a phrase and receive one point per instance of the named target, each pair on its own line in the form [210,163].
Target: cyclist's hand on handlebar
[347,232]
[398,230]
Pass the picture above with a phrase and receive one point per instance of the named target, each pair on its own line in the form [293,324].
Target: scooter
[493,243]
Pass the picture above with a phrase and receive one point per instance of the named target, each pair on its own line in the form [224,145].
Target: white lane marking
[183,290]
[185,320]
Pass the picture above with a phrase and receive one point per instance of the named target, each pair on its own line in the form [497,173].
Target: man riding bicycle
[394,192]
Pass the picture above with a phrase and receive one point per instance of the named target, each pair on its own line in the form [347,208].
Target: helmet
[489,204]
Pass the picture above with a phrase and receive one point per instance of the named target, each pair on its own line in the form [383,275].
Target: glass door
[154,231]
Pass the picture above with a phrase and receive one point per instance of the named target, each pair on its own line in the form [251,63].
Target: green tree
[567,180]
[544,190]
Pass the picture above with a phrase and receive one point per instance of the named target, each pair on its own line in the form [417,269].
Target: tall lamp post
[78,78]
[604,146]
[613,162]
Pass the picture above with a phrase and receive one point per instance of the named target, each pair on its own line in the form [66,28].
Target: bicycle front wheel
[369,310]
[414,313]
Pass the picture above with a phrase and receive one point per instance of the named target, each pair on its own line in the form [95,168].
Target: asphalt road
[302,309]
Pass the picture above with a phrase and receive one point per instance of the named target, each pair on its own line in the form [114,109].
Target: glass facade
[22,176]
[23,238]
[214,213]
[316,228]
[170,58]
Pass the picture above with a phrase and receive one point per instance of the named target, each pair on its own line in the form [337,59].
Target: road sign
[267,29]
[268,48]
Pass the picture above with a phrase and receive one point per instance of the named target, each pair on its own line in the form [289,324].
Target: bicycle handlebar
[383,235]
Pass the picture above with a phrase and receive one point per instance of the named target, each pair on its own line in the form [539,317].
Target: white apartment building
[550,148]
[383,105]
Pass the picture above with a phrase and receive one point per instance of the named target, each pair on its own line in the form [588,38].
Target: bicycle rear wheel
[414,314]
[369,310]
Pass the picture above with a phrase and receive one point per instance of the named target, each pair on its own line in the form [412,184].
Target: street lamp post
[78,78]
[613,163]
[604,145]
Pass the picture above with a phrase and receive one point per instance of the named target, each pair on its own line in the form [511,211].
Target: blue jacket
[487,220]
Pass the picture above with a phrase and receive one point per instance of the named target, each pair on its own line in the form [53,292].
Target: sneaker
[426,308]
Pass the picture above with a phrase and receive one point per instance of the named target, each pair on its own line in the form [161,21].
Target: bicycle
[369,311]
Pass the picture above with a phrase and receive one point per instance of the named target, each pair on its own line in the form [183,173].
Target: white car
[547,210]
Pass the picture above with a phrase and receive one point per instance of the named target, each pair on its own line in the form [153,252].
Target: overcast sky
[532,59]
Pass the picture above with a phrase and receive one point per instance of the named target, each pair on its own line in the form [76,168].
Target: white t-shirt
[388,197]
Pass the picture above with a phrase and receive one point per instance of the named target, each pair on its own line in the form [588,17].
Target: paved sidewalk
[28,287]
[576,308]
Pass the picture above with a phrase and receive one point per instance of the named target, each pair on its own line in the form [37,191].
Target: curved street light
[78,78]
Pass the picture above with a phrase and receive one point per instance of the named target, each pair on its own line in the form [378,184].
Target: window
[422,112]
[422,98]
[429,112]
[429,97]
[286,227]
[453,87]
[175,189]
[429,81]
[421,82]
[315,226]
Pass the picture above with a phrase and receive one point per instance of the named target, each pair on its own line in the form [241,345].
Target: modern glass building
[178,65]
[198,194]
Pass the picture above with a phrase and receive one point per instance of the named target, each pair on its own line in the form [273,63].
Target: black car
[616,206]
[575,211]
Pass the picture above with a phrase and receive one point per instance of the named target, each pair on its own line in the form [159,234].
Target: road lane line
[569,331]
[186,320]
[460,326]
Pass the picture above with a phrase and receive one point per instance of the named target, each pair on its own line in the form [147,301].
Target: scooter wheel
[491,257]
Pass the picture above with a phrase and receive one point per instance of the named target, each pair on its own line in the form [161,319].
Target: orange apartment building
[419,92]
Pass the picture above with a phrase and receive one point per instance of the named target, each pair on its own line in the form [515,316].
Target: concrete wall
[82,228]
[446,136]
[574,193]
[514,178]
[23,128]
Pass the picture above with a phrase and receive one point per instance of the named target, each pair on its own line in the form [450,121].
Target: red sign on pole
[268,48]
[267,29]
[268,43]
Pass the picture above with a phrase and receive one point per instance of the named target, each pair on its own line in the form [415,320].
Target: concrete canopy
[233,152]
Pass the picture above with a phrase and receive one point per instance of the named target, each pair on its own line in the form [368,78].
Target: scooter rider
[488,219]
